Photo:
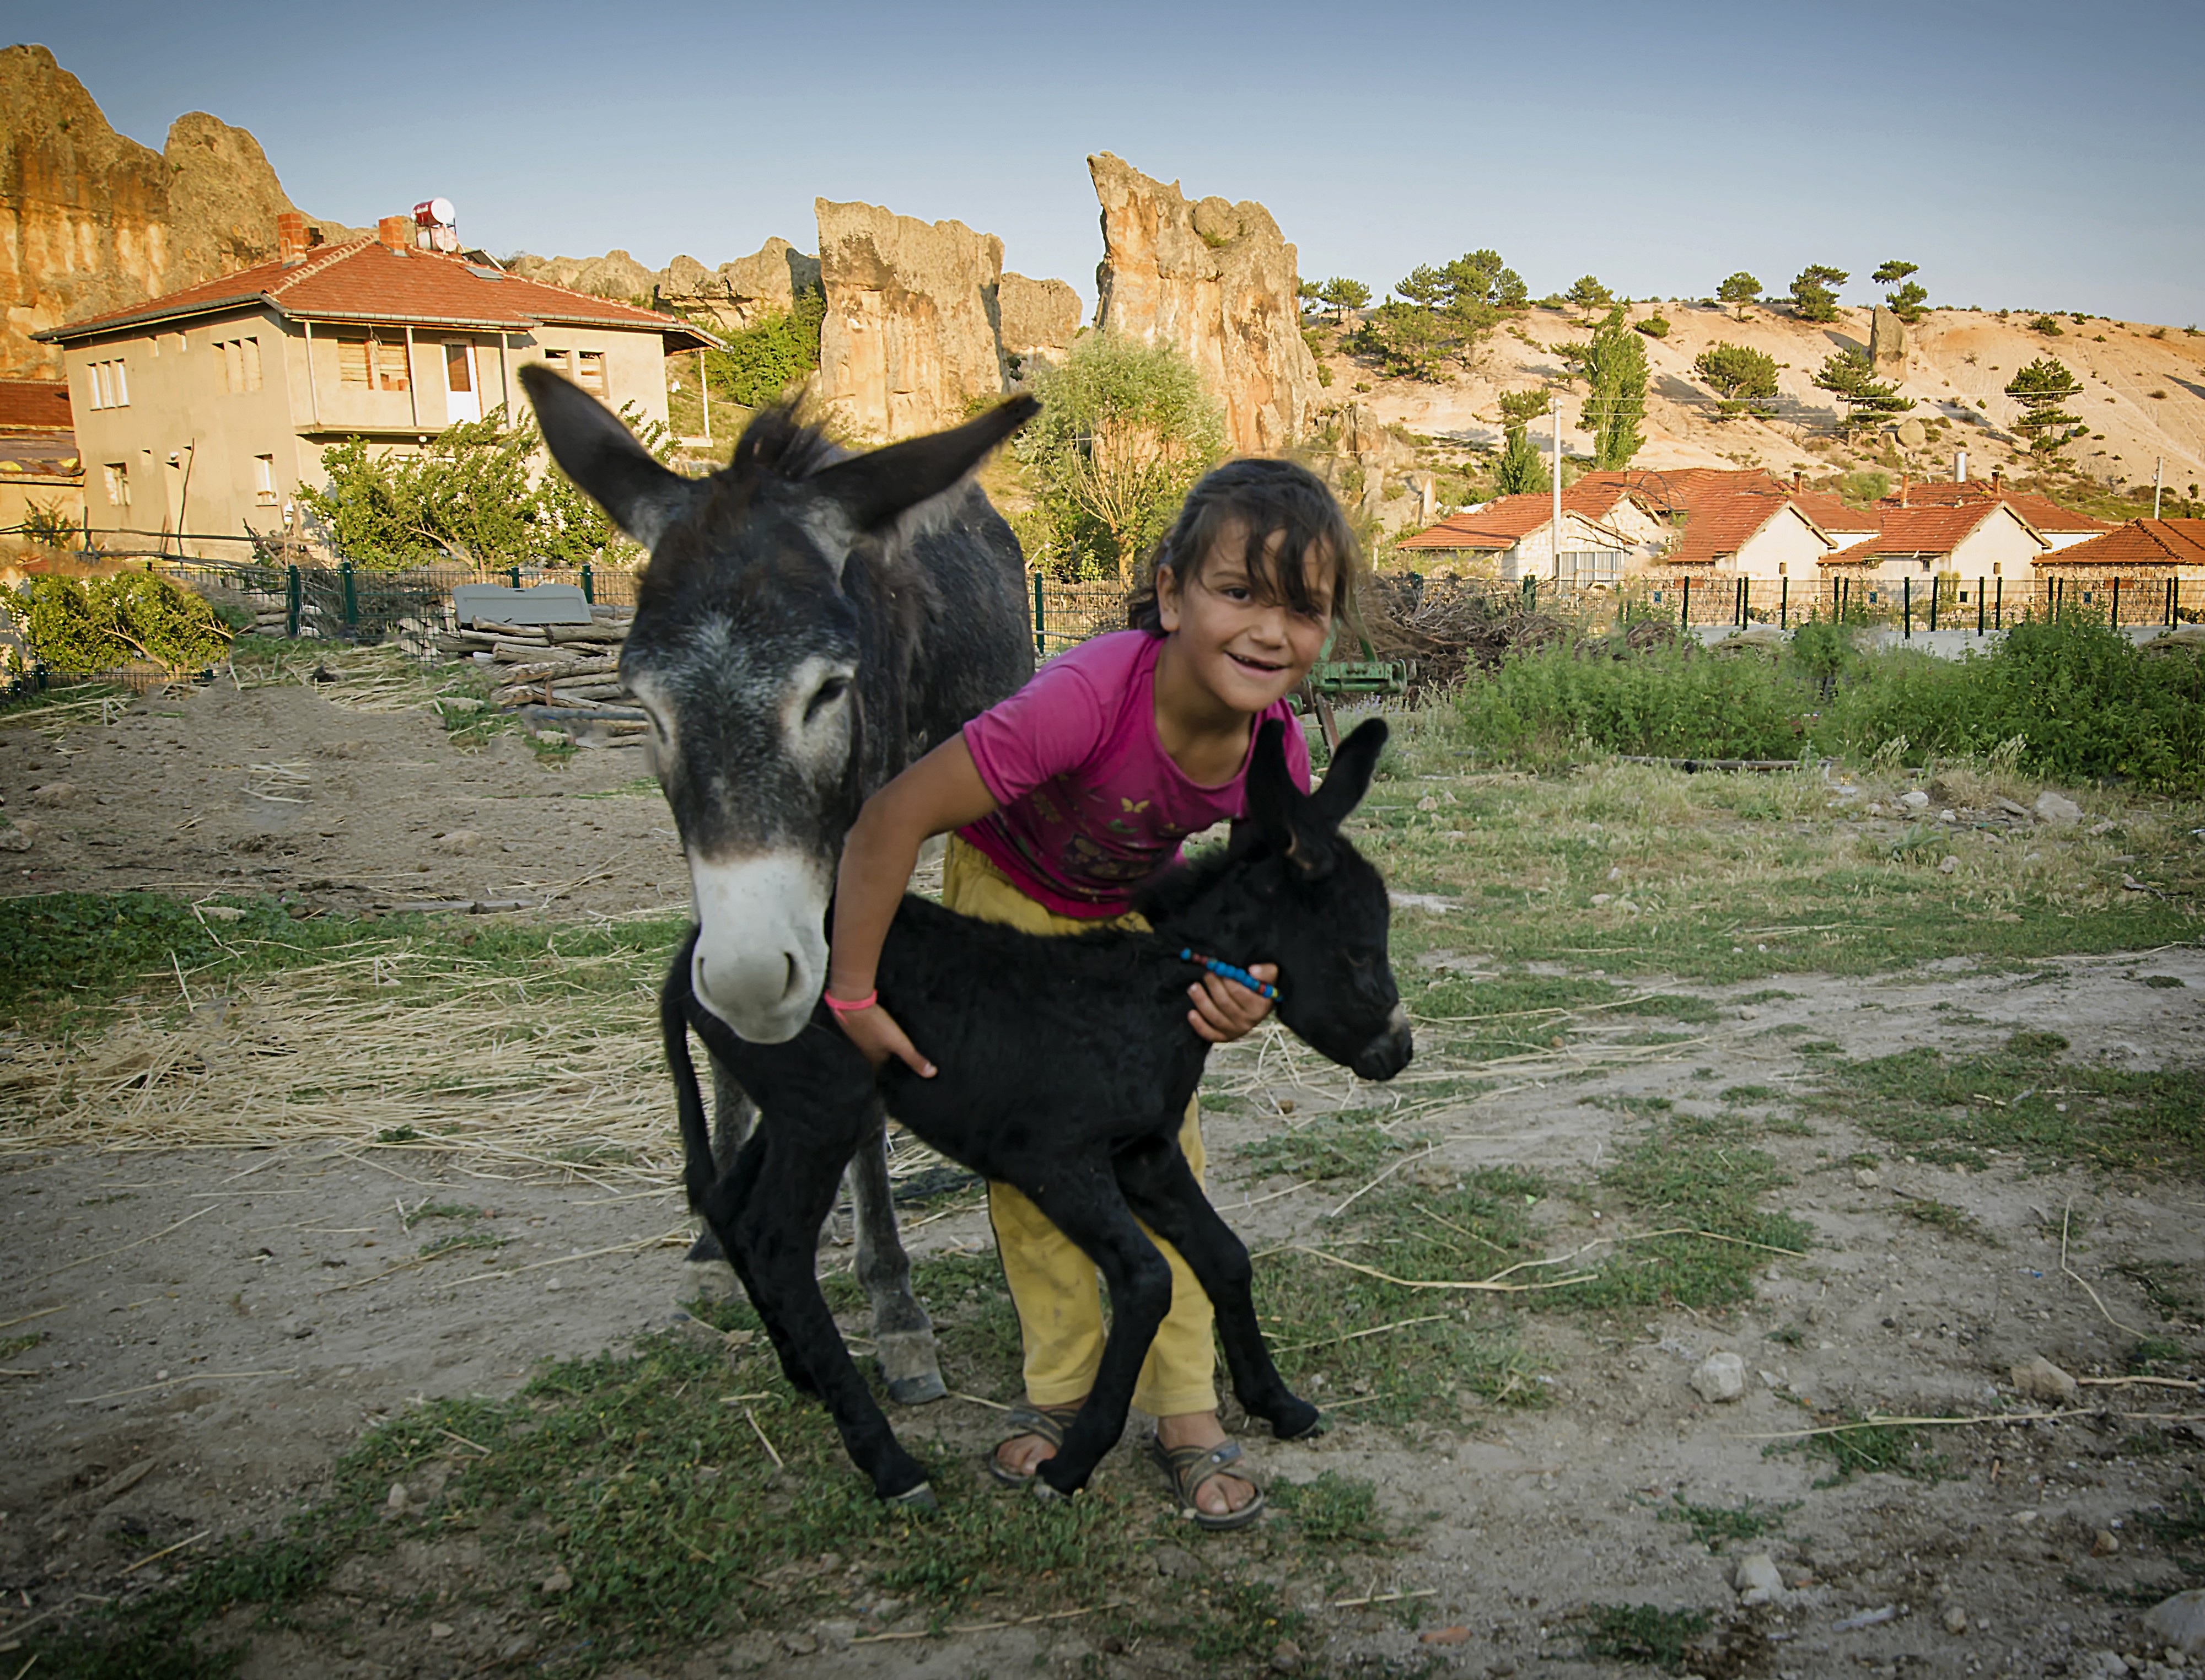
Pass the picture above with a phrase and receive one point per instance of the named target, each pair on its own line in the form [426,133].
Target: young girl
[1063,800]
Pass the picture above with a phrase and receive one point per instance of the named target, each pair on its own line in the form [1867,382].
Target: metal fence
[1064,614]
[1947,602]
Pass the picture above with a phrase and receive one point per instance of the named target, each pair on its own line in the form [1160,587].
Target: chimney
[395,232]
[1998,478]
[1902,489]
[1798,477]
[291,236]
[1960,467]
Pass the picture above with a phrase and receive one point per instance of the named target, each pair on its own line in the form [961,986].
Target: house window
[590,371]
[352,361]
[233,364]
[264,480]
[390,369]
[458,368]
[561,362]
[250,349]
[117,475]
[110,385]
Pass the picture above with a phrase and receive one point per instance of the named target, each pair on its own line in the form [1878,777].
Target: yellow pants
[1052,1284]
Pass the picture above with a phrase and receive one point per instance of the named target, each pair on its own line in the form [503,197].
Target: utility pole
[1555,411]
[2158,483]
[705,396]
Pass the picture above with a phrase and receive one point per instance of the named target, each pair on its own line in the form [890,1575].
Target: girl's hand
[875,1034]
[1224,1010]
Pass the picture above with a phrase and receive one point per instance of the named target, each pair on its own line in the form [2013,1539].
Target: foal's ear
[596,449]
[1349,779]
[1278,811]
[872,489]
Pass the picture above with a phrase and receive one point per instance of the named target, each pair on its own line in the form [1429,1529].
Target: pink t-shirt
[1092,804]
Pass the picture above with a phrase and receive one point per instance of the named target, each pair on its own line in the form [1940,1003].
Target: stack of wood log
[573,665]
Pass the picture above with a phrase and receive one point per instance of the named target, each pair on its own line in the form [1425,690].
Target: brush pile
[1446,625]
[571,665]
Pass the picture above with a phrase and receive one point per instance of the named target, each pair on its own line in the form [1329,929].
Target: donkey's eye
[824,696]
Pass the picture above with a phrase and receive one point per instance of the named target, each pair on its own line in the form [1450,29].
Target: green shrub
[762,361]
[1670,703]
[80,627]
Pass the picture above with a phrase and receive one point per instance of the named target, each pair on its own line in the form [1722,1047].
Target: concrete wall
[1786,546]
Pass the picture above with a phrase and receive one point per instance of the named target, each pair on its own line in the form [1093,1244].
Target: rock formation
[1037,317]
[731,297]
[1886,344]
[1219,280]
[910,338]
[90,220]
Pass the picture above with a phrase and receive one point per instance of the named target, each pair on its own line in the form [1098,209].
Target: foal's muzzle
[1386,1054]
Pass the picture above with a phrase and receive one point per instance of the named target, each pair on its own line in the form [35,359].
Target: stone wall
[910,338]
[1219,280]
[91,221]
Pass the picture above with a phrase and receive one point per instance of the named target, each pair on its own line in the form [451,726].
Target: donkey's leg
[903,1334]
[1160,1188]
[775,1243]
[723,1209]
[733,1114]
[1082,1199]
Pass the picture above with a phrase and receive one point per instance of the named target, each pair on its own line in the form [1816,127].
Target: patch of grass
[1945,1217]
[1332,1510]
[1344,1145]
[410,1217]
[1642,1633]
[452,1241]
[1945,1108]
[2180,1528]
[12,1345]
[2163,981]
[2152,1356]
[1711,1525]
[1751,1093]
[642,788]
[2167,1289]
[1859,1448]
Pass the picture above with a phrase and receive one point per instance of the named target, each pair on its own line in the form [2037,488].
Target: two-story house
[204,411]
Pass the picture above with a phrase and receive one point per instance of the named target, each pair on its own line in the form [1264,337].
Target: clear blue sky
[2024,154]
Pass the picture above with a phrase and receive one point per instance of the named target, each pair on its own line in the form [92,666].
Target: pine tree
[1905,298]
[1522,468]
[1613,365]
[1744,377]
[1588,293]
[1848,376]
[1340,294]
[1814,293]
[1739,290]
[2040,388]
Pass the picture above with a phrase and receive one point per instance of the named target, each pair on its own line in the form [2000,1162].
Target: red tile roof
[34,405]
[1501,524]
[2139,543]
[1831,513]
[1675,490]
[1918,530]
[1722,523]
[43,455]
[2041,510]
[365,280]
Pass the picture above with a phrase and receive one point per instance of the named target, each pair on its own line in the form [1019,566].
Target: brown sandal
[1187,1469]
[1049,1422]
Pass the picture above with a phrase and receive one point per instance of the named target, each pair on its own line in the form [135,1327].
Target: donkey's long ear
[1349,779]
[1279,812]
[598,453]
[872,489]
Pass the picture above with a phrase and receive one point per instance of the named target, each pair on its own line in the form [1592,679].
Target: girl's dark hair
[1262,499]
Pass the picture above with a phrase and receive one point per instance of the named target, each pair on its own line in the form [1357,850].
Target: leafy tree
[1739,290]
[1904,297]
[1425,287]
[2047,326]
[1521,468]
[1655,326]
[1124,431]
[1480,277]
[1306,292]
[1340,294]
[1614,366]
[1588,294]
[1814,293]
[1744,378]
[764,359]
[2040,388]
[476,492]
[1408,339]
[78,628]
[1848,376]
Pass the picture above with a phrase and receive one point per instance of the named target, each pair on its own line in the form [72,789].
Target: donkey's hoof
[919,1499]
[920,1391]
[1299,1421]
[1047,1494]
[911,1366]
[705,1250]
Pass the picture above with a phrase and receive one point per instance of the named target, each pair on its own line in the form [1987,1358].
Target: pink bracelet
[852,1006]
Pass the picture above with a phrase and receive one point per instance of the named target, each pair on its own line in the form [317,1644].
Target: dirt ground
[221,1326]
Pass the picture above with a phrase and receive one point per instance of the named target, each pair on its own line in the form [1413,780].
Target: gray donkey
[810,622]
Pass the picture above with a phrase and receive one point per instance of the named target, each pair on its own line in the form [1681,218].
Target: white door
[462,401]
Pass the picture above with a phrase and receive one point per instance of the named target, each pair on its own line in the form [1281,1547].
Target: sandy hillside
[1958,365]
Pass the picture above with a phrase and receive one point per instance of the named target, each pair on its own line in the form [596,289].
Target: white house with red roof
[1512,537]
[1976,539]
[205,410]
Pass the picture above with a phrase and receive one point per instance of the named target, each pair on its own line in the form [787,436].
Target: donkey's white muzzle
[761,955]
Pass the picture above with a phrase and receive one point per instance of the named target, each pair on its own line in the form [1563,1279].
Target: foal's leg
[1082,1199]
[733,1115]
[1161,1189]
[901,1330]
[775,1246]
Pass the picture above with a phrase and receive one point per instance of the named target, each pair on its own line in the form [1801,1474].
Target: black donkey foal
[1066,1066]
